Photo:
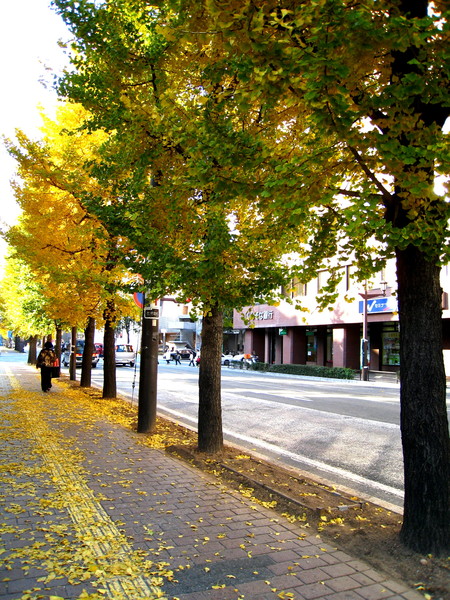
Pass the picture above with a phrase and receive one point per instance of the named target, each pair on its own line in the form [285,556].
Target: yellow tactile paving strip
[105,551]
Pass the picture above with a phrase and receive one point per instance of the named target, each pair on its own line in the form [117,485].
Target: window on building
[349,277]
[298,288]
[322,279]
[295,289]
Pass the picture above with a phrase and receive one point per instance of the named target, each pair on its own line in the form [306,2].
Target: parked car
[79,348]
[226,359]
[247,359]
[125,355]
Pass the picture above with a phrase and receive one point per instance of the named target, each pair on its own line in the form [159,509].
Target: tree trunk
[424,423]
[32,349]
[109,361]
[58,342]
[210,435]
[86,365]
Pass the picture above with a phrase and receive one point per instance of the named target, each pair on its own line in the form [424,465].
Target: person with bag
[46,361]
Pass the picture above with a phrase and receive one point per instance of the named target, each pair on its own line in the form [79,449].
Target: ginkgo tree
[67,248]
[333,112]
[184,174]
[24,306]
[366,88]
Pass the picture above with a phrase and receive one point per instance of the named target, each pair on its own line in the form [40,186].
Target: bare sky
[29,51]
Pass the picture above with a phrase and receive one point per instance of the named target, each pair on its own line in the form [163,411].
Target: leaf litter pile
[362,529]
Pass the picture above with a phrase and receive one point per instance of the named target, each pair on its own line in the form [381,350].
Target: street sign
[151,313]
[139,299]
[379,305]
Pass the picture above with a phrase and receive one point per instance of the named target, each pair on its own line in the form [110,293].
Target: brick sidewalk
[88,511]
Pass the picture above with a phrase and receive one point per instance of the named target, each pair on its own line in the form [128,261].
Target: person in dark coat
[176,357]
[46,361]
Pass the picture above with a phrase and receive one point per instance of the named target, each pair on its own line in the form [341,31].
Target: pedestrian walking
[176,357]
[46,360]
[192,355]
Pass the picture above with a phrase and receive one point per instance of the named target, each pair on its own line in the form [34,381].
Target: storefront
[279,335]
[298,332]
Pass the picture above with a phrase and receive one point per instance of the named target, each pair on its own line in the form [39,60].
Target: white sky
[29,34]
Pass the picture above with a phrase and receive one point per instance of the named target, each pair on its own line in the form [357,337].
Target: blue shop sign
[379,305]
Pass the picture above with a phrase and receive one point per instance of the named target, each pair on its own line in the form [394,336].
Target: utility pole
[365,339]
[148,372]
[365,336]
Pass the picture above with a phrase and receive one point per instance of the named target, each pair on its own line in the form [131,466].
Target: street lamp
[365,341]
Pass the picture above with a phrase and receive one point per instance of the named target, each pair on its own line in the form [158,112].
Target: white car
[226,359]
[245,358]
[125,355]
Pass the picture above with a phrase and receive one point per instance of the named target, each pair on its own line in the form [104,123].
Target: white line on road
[298,458]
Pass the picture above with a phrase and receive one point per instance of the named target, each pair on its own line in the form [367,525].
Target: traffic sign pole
[148,372]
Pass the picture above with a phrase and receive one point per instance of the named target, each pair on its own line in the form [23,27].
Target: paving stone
[342,584]
[312,575]
[346,595]
[339,570]
[375,591]
[313,590]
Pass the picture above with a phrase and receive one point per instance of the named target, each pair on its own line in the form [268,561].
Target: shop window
[329,355]
[311,345]
[391,347]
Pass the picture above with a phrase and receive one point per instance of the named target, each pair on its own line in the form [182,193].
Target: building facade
[175,324]
[297,332]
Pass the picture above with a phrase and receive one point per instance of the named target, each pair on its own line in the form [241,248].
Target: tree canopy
[187,172]
[66,249]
